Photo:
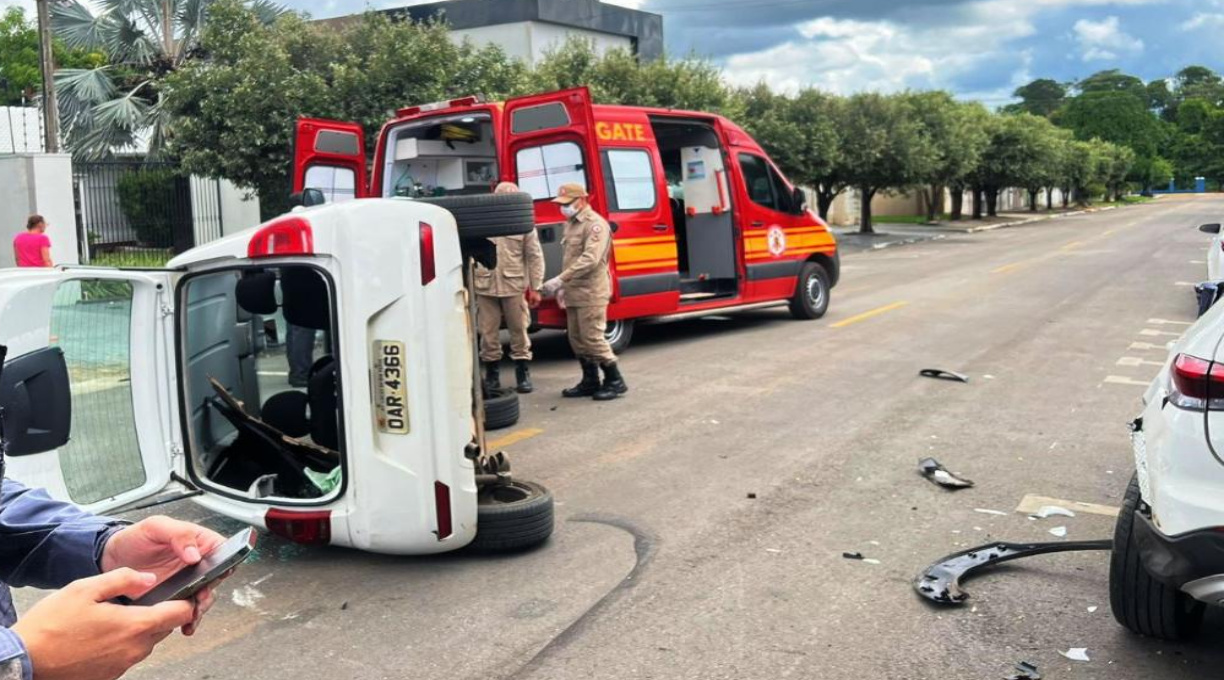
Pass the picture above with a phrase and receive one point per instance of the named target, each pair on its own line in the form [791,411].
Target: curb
[1034,220]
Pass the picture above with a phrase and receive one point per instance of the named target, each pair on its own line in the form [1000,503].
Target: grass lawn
[147,258]
[905,219]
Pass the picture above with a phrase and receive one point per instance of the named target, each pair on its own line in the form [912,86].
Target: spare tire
[501,409]
[512,516]
[489,215]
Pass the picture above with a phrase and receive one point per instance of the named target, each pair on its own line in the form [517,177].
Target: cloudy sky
[978,49]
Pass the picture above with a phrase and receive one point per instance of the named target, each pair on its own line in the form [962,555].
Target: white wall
[38,183]
[239,211]
[531,40]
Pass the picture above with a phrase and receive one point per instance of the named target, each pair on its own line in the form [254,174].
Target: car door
[330,156]
[550,140]
[98,344]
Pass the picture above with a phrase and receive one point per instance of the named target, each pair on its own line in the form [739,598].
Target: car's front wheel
[811,299]
[512,516]
[619,334]
[1139,602]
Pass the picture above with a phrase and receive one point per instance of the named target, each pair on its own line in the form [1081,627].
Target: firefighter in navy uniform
[585,287]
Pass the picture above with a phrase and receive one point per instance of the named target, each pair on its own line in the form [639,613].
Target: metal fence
[137,213]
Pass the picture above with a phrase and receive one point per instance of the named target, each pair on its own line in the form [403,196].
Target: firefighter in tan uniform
[507,292]
[585,287]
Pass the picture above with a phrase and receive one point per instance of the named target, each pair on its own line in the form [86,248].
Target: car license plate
[391,393]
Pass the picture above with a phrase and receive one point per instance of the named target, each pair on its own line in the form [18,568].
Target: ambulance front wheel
[619,334]
[512,516]
[811,299]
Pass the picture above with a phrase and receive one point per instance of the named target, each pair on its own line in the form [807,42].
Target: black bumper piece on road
[1178,560]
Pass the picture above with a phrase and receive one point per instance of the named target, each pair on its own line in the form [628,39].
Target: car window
[631,180]
[543,169]
[757,177]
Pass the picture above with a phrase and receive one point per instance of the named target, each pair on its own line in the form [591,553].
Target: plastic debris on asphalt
[988,511]
[1077,654]
[1060,532]
[1092,610]
[940,374]
[940,582]
[1049,511]
[934,471]
[853,555]
[1025,671]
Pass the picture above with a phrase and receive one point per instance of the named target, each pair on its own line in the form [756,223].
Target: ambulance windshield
[261,382]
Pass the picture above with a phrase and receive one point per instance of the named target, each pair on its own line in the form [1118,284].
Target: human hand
[551,287]
[162,546]
[76,633]
[533,298]
[561,298]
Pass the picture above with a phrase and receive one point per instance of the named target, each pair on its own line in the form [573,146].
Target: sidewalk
[890,235]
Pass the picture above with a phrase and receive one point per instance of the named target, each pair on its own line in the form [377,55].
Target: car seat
[304,296]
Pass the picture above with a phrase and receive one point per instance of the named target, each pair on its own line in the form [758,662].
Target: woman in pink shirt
[33,248]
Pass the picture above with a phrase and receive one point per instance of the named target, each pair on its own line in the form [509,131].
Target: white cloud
[1208,20]
[1105,40]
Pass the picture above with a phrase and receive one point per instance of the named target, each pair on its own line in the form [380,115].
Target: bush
[150,203]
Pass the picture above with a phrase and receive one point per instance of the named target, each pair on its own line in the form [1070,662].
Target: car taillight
[428,271]
[307,528]
[443,505]
[1197,383]
[290,235]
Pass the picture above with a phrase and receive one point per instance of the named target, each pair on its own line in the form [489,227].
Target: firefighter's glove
[551,287]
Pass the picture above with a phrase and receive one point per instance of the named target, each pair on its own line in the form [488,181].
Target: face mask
[569,211]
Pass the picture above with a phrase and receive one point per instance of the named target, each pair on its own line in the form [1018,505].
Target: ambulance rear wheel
[501,409]
[512,516]
[811,299]
[489,215]
[619,334]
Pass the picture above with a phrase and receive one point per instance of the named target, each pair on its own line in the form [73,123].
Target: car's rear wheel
[1139,602]
[489,215]
[619,334]
[512,516]
[811,299]
[501,409]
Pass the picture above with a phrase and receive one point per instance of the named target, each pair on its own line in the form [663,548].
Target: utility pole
[47,62]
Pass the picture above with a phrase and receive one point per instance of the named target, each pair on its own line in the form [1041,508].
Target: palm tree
[119,105]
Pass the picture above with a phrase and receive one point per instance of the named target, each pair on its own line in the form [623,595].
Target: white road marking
[1168,322]
[1198,261]
[1152,332]
[1122,380]
[1146,345]
[1136,361]
[1185,284]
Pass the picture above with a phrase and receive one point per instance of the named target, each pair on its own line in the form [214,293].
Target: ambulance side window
[337,184]
[543,169]
[756,177]
[630,180]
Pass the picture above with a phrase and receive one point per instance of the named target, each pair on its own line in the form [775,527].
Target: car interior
[451,156]
[261,382]
[700,201]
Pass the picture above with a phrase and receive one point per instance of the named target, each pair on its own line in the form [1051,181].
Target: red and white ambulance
[704,221]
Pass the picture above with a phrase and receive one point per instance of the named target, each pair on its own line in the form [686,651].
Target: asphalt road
[663,566]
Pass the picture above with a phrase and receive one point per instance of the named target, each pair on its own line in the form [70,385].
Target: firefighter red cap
[568,193]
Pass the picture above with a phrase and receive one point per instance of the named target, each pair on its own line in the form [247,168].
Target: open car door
[88,385]
[330,156]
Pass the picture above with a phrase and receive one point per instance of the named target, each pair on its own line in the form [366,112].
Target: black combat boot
[613,384]
[590,382]
[522,374]
[492,379]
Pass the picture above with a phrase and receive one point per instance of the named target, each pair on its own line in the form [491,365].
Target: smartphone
[190,580]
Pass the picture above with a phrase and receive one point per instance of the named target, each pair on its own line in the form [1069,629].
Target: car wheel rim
[815,291]
[505,494]
[614,332]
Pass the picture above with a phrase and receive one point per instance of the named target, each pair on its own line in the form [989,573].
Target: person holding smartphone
[79,632]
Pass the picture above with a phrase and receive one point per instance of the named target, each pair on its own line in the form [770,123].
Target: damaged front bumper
[1192,562]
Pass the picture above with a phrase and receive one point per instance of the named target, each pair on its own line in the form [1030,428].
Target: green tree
[885,148]
[1018,155]
[108,107]
[1042,97]
[1199,82]
[957,135]
[1113,81]
[20,73]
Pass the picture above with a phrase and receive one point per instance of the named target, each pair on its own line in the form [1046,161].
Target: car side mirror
[307,198]
[799,201]
[35,402]
[1210,228]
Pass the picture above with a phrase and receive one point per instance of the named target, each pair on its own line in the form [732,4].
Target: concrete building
[529,29]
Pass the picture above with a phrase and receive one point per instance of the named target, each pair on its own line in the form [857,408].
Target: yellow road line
[1072,245]
[867,315]
[1009,267]
[513,438]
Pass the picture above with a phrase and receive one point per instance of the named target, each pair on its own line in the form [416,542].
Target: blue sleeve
[14,661]
[45,543]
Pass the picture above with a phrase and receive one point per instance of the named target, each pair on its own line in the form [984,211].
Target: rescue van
[704,222]
[121,384]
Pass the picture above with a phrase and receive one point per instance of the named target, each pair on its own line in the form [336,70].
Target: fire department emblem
[777,241]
